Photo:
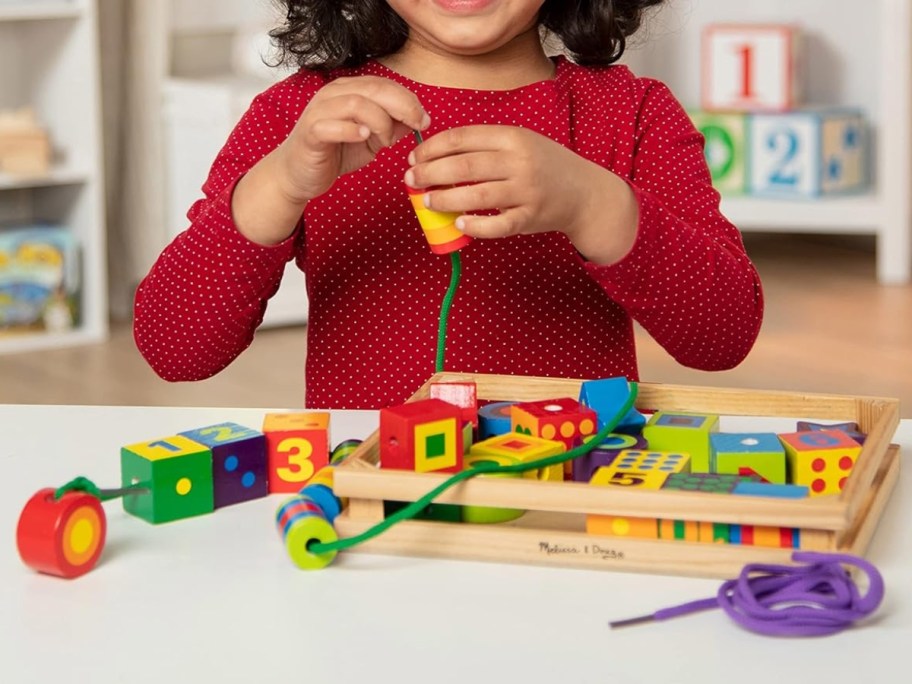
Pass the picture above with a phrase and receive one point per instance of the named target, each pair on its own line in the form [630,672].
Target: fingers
[504,224]
[473,154]
[339,113]
[477,197]
[472,167]
[398,102]
[464,140]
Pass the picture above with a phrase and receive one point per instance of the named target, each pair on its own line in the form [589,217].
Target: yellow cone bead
[439,227]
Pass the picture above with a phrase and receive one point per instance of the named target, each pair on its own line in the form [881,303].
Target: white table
[215,599]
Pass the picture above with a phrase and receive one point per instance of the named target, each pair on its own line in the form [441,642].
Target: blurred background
[111,112]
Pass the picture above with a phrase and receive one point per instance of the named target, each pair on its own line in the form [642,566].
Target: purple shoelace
[814,599]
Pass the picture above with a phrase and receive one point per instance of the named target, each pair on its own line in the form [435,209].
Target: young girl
[584,187]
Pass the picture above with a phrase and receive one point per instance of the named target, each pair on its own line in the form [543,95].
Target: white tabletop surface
[215,598]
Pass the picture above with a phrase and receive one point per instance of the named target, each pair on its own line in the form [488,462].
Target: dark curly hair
[326,34]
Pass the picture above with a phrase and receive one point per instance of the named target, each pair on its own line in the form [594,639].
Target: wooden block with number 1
[176,471]
[297,446]
[751,68]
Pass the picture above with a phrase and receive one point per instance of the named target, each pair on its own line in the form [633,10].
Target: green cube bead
[682,433]
[178,474]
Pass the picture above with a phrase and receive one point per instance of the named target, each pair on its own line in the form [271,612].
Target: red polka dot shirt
[526,305]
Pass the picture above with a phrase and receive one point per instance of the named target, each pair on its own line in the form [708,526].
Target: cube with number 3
[297,446]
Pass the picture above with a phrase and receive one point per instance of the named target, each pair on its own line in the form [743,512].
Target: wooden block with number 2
[297,446]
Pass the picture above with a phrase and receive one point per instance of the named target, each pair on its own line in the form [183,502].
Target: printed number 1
[298,452]
[164,445]
[746,53]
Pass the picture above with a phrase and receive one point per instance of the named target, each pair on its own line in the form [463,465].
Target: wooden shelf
[857,215]
[28,11]
[60,175]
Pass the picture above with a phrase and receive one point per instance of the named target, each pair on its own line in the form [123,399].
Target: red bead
[62,537]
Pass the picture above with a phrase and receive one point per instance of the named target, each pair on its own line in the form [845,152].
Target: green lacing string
[84,484]
[455,273]
[482,468]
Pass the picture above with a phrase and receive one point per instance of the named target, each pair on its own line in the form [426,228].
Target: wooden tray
[552,532]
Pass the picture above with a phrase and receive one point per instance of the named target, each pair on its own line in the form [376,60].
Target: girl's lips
[463,6]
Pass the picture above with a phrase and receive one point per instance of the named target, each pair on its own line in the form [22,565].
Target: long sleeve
[687,280]
[200,304]
[526,305]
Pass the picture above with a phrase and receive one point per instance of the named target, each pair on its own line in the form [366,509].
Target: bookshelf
[49,62]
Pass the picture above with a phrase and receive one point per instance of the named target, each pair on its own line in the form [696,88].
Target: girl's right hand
[343,128]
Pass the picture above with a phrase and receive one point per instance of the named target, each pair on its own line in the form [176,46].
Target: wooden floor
[828,328]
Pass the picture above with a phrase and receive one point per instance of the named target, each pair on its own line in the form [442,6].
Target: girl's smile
[464,6]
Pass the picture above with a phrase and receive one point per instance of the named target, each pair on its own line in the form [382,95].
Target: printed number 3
[300,467]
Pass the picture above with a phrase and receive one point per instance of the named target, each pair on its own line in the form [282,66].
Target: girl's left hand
[536,184]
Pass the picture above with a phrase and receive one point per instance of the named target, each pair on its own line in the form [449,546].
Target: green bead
[304,531]
[487,514]
[177,473]
[433,511]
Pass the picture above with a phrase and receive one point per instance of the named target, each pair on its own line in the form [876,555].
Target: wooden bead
[487,514]
[64,536]
[439,227]
[494,419]
[176,473]
[239,469]
[343,450]
[423,436]
[297,445]
[301,522]
[327,501]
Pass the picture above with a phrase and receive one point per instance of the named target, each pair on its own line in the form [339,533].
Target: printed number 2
[300,467]
[785,144]
[222,433]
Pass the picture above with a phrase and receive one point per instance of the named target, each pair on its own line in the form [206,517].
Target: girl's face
[466,27]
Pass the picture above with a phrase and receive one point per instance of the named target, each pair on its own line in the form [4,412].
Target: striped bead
[301,522]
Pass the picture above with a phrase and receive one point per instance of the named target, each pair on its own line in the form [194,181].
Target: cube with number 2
[808,153]
[238,461]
